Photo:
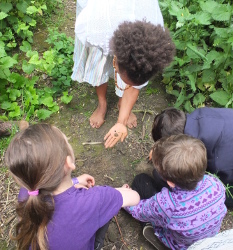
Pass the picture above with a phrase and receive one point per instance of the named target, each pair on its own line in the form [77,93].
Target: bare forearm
[128,100]
[130,197]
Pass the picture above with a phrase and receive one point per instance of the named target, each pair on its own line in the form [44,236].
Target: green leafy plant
[56,62]
[227,187]
[62,71]
[23,91]
[150,90]
[202,70]
[135,162]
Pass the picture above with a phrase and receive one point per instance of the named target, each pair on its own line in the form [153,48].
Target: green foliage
[64,47]
[17,19]
[203,67]
[150,89]
[23,92]
[227,187]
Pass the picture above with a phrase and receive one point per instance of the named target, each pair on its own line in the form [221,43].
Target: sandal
[149,234]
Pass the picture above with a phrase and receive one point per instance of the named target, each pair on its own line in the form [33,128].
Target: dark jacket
[214,127]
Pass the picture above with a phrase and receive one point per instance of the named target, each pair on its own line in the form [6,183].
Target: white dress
[222,241]
[96,20]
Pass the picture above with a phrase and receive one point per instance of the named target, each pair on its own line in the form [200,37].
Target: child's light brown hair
[180,159]
[36,157]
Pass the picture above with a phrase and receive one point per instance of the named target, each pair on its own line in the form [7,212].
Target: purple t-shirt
[181,217]
[78,214]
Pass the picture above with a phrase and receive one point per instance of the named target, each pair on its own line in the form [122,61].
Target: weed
[202,70]
[87,114]
[135,162]
[22,93]
[230,212]
[151,91]
[227,187]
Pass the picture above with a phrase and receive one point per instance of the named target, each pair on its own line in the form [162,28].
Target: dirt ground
[112,167]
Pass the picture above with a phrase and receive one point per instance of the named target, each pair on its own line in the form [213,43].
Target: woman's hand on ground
[117,132]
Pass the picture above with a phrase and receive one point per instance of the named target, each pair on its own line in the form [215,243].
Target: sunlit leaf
[221,97]
[6,7]
[198,99]
[7,62]
[27,68]
[25,47]
[65,98]
[42,114]
[3,15]
[32,10]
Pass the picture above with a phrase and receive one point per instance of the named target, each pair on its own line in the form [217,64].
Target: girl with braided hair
[124,40]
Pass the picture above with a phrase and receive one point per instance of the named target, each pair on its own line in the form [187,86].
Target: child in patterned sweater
[192,208]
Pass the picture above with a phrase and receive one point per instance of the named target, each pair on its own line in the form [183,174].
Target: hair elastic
[75,181]
[33,193]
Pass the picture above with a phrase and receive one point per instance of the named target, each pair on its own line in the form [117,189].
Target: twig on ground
[92,143]
[143,111]
[8,190]
[143,131]
[10,219]
[122,239]
[110,244]
[110,178]
[143,116]
[7,201]
[81,159]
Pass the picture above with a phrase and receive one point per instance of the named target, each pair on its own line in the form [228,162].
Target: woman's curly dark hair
[142,49]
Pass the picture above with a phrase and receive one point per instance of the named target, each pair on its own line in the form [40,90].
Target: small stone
[44,76]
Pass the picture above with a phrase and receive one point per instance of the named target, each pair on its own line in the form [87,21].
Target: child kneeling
[56,212]
[192,208]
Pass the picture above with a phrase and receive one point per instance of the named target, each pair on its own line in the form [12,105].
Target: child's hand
[117,132]
[86,180]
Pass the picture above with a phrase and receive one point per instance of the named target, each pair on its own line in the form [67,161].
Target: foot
[149,234]
[97,118]
[132,121]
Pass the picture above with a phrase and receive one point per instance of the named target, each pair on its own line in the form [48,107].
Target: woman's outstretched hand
[117,132]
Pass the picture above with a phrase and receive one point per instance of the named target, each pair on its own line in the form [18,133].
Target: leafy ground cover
[23,91]
[202,71]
